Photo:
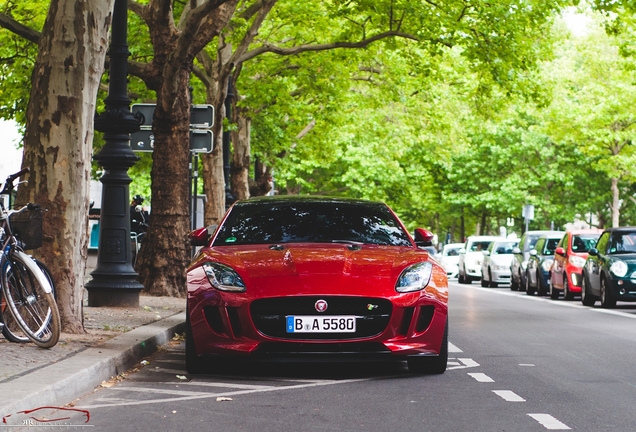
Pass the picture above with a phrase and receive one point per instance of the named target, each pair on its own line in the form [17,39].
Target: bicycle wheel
[30,300]
[12,330]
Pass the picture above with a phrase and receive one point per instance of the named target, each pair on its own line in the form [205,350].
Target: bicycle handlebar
[8,184]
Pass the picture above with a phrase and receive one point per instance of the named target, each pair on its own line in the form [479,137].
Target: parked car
[314,277]
[449,258]
[471,256]
[495,267]
[609,273]
[540,261]
[569,258]
[520,261]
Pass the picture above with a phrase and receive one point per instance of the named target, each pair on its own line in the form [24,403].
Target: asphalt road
[517,363]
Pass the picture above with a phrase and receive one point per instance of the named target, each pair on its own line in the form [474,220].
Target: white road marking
[461,363]
[549,422]
[526,365]
[468,362]
[550,301]
[160,391]
[508,396]
[170,371]
[453,349]
[226,394]
[481,377]
[195,383]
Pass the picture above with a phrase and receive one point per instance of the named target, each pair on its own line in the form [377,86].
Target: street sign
[201,116]
[201,141]
[528,212]
[144,141]
[148,110]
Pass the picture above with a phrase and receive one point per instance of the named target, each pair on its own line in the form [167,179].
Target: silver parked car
[471,256]
[495,268]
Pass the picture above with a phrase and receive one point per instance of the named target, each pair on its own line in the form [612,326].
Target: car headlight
[619,268]
[415,277]
[547,265]
[223,277]
[576,261]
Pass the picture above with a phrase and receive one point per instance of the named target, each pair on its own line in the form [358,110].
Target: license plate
[321,324]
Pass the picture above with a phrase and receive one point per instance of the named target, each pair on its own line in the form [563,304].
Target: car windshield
[479,245]
[328,221]
[623,242]
[504,248]
[550,246]
[583,243]
[452,251]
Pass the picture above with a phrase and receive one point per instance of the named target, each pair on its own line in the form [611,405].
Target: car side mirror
[593,252]
[533,252]
[516,250]
[462,251]
[423,237]
[560,251]
[201,236]
[485,253]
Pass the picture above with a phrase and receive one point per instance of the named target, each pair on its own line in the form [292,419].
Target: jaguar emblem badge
[321,305]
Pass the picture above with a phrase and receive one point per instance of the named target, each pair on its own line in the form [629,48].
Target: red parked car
[315,277]
[569,259]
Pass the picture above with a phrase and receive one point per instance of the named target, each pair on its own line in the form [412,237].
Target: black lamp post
[113,282]
[229,198]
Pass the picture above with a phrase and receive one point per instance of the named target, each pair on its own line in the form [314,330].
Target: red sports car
[295,277]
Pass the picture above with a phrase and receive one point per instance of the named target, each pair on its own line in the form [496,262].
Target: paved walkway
[116,339]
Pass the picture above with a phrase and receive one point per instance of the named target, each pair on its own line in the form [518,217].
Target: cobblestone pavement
[101,324]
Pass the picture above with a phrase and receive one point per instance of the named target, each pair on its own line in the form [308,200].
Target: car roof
[585,231]
[553,234]
[302,199]
[482,237]
[621,229]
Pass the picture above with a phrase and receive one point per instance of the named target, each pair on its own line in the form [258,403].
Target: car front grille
[270,315]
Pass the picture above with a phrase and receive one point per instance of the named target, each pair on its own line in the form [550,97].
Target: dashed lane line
[549,422]
[508,396]
[481,377]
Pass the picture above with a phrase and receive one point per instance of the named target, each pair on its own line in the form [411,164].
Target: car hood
[501,259]
[301,267]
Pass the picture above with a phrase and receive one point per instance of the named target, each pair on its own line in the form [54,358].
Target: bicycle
[26,291]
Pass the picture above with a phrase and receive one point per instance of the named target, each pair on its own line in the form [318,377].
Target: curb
[65,381]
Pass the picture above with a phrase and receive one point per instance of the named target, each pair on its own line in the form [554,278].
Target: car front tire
[607,301]
[431,365]
[586,298]
[529,290]
[567,294]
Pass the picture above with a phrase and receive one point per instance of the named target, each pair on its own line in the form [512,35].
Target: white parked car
[449,258]
[471,256]
[495,268]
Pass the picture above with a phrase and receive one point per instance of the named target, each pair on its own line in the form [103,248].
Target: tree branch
[321,47]
[19,29]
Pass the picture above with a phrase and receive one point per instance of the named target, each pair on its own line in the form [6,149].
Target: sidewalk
[116,339]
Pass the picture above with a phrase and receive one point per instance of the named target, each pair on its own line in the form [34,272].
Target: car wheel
[541,288]
[431,365]
[492,283]
[194,363]
[484,283]
[586,298]
[554,293]
[522,283]
[460,278]
[607,301]
[514,285]
[529,289]
[567,294]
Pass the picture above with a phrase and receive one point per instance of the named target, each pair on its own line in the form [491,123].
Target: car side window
[603,242]
[564,241]
[539,245]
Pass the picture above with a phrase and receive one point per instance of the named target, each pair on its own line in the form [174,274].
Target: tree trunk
[615,208]
[240,164]
[59,139]
[165,251]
